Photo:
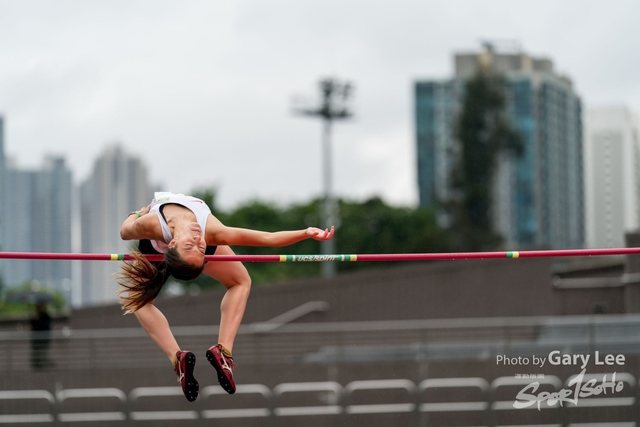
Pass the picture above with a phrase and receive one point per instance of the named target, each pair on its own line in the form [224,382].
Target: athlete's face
[190,244]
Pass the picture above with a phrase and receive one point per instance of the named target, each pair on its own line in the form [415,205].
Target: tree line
[369,227]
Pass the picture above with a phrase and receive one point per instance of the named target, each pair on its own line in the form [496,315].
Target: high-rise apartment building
[117,186]
[37,210]
[612,159]
[538,197]
[35,216]
[2,184]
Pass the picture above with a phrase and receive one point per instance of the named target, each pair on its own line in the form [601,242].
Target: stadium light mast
[333,106]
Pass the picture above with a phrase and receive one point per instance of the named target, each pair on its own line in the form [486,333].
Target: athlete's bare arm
[143,227]
[219,234]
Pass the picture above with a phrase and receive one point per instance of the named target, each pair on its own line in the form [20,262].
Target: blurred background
[411,126]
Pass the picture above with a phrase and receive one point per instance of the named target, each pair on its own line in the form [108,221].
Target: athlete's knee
[245,282]
[240,281]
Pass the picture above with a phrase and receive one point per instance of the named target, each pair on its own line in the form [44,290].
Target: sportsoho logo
[577,387]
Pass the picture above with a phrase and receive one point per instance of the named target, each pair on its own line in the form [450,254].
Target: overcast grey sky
[202,90]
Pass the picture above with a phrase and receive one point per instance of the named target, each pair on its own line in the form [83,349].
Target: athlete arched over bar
[184,230]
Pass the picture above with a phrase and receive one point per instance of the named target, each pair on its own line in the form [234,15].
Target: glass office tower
[538,197]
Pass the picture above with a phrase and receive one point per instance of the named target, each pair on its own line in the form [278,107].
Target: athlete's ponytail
[142,279]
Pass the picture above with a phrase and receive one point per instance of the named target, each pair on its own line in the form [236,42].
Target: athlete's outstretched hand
[318,234]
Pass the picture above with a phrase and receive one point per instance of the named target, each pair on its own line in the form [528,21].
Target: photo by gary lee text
[558,358]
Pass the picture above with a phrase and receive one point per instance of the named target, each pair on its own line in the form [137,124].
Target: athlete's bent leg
[234,276]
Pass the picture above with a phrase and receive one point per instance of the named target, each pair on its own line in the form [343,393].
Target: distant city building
[37,209]
[538,197]
[117,186]
[612,154]
[2,185]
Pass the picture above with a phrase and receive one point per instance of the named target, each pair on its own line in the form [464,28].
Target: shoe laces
[178,369]
[179,372]
[228,362]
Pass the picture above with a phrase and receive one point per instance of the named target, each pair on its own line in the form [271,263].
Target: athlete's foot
[184,364]
[223,363]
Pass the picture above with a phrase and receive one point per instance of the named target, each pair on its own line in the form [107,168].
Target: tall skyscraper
[37,215]
[538,197]
[2,184]
[612,155]
[117,186]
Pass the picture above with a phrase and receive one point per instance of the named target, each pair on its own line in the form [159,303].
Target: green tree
[374,227]
[57,302]
[268,217]
[483,133]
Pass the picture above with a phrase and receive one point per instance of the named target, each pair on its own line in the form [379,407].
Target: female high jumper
[184,230]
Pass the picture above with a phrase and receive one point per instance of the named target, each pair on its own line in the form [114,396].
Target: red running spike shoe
[185,363]
[224,367]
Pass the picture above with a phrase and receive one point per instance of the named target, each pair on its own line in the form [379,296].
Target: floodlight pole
[328,204]
[333,107]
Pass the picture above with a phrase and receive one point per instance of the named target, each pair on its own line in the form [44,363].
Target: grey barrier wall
[265,343]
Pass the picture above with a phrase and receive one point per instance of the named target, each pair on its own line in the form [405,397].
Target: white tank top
[197,206]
